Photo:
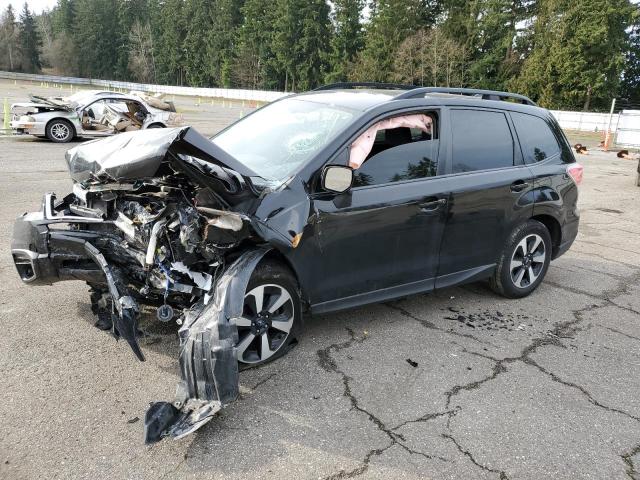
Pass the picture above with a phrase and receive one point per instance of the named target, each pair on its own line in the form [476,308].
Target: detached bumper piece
[208,357]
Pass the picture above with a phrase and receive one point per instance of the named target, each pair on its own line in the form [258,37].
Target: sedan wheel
[60,131]
[270,317]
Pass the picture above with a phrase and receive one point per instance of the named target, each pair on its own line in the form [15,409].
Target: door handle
[518,186]
[432,204]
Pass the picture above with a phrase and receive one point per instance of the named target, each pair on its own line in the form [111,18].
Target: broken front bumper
[208,336]
[43,256]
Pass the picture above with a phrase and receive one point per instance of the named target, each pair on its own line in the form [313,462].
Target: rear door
[548,154]
[491,192]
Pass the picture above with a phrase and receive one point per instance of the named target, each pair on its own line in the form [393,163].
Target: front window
[279,138]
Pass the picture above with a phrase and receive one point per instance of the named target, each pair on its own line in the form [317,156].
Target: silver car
[91,113]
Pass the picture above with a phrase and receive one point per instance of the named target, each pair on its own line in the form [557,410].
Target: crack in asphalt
[326,361]
[469,455]
[362,468]
[262,381]
[170,472]
[563,330]
[620,333]
[631,471]
[587,242]
[553,337]
[600,257]
[427,417]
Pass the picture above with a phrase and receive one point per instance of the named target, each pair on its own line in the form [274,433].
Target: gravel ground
[542,387]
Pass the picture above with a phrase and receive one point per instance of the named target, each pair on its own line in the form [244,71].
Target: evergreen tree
[169,29]
[347,40]
[63,16]
[62,55]
[129,13]
[392,21]
[96,36]
[493,61]
[8,40]
[630,91]
[254,60]
[29,42]
[301,42]
[198,14]
[226,16]
[578,53]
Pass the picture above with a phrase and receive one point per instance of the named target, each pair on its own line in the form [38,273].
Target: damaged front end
[154,222]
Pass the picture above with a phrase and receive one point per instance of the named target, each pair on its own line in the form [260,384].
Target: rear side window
[482,140]
[536,138]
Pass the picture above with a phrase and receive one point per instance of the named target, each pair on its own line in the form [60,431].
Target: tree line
[572,54]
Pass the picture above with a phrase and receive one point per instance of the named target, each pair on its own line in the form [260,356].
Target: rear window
[536,138]
[481,141]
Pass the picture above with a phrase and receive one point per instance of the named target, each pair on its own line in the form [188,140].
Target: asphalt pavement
[459,384]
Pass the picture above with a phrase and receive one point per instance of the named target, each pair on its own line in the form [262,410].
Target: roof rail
[484,94]
[373,85]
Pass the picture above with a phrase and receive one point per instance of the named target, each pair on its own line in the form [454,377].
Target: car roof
[364,99]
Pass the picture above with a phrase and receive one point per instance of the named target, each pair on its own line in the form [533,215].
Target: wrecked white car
[91,114]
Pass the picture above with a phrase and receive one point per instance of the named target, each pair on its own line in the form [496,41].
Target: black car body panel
[170,219]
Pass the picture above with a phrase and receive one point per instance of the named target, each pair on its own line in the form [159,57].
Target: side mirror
[337,178]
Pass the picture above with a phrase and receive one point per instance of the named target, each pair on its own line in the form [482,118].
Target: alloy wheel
[527,261]
[60,131]
[267,319]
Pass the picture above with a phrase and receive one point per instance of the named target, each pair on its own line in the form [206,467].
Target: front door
[382,237]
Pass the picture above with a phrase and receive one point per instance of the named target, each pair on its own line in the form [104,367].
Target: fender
[208,356]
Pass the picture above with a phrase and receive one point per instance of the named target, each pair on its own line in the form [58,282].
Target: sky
[34,5]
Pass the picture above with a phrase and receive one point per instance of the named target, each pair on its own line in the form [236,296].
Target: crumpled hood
[33,105]
[138,155]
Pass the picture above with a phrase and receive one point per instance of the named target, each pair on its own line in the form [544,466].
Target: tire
[274,283]
[60,131]
[519,272]
[155,125]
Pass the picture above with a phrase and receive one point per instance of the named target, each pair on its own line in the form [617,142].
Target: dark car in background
[327,200]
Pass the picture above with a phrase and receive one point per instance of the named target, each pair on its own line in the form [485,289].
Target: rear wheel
[271,317]
[524,261]
[60,131]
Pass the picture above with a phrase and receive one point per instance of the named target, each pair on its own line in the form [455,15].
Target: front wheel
[60,131]
[524,261]
[271,317]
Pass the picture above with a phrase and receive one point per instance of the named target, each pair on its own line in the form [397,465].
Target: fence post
[607,135]
[6,114]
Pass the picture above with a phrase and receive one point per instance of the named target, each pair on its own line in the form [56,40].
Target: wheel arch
[276,255]
[554,228]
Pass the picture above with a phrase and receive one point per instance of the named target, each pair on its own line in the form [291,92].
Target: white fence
[234,94]
[628,131]
[584,121]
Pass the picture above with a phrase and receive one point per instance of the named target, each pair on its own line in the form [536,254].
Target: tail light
[575,171]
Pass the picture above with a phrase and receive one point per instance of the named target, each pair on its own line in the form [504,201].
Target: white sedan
[91,113]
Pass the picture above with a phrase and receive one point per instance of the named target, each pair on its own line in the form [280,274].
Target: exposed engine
[163,249]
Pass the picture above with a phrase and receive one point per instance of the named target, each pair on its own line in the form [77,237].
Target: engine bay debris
[161,219]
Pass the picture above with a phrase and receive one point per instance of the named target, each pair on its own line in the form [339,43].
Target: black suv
[347,195]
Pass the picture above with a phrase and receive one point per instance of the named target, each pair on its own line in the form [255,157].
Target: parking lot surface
[456,384]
